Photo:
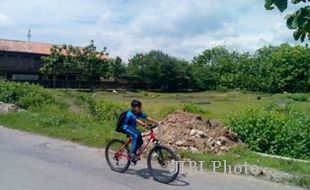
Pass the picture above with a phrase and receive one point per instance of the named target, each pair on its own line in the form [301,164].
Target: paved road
[34,162]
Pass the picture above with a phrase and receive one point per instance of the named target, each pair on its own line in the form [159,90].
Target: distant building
[21,60]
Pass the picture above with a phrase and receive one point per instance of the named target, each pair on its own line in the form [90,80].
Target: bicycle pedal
[133,163]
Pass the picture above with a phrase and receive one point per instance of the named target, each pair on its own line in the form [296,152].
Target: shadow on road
[144,173]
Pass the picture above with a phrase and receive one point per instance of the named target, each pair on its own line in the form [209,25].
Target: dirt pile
[186,131]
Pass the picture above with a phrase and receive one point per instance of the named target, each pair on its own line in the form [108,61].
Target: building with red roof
[21,60]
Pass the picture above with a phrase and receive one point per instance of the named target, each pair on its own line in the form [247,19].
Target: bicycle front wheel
[162,164]
[117,155]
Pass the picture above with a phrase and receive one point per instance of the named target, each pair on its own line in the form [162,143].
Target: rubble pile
[5,108]
[187,131]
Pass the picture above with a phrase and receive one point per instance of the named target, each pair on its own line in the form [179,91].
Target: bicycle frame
[151,136]
[161,160]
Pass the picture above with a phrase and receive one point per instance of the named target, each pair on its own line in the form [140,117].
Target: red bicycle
[161,160]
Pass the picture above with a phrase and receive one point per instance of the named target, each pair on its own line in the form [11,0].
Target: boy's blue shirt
[130,120]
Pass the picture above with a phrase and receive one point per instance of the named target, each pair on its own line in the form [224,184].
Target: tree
[117,67]
[271,69]
[60,62]
[202,78]
[219,66]
[86,63]
[93,64]
[299,21]
[288,67]
[205,70]
[284,68]
[157,70]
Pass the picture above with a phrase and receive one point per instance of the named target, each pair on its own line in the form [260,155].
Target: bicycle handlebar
[151,126]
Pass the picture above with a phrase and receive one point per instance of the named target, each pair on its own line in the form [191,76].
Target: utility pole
[29,35]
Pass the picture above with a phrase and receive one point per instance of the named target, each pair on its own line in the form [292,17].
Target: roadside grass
[88,132]
[240,155]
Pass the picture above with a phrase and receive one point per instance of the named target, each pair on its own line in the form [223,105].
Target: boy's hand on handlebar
[153,126]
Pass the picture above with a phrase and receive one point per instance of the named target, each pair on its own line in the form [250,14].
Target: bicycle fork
[160,157]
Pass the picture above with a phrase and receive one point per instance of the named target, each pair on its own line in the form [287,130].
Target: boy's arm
[141,122]
[152,120]
[148,119]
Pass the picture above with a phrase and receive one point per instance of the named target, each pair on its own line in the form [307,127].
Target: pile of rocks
[186,131]
[5,108]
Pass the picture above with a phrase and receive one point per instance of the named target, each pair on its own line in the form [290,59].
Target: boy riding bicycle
[128,125]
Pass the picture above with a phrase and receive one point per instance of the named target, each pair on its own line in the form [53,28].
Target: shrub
[280,130]
[52,116]
[103,110]
[221,88]
[59,116]
[194,108]
[299,97]
[24,95]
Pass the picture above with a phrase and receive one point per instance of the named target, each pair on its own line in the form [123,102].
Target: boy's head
[136,106]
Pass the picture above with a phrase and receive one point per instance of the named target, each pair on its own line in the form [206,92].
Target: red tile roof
[25,47]
[29,47]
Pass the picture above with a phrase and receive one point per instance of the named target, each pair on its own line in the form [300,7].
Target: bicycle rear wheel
[117,155]
[162,164]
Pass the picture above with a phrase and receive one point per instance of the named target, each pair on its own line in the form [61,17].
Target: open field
[218,105]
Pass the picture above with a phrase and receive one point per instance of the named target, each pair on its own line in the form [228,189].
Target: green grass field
[74,123]
[218,104]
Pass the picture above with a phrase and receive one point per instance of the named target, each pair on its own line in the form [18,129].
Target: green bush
[24,95]
[103,110]
[59,116]
[281,130]
[221,88]
[299,97]
[194,108]
[52,117]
